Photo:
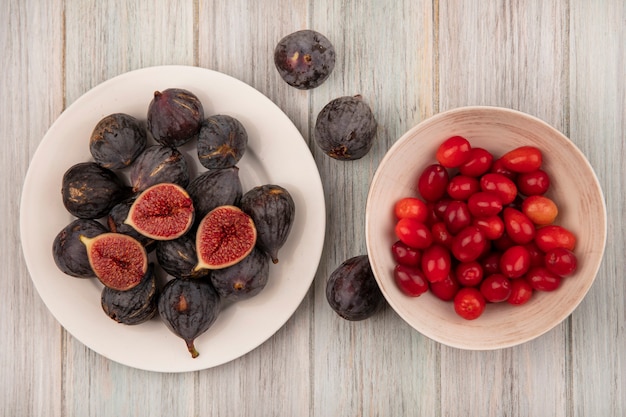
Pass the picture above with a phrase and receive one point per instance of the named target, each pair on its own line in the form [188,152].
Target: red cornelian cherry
[461,187]
[518,226]
[478,163]
[453,152]
[412,208]
[405,255]
[521,292]
[413,233]
[523,159]
[436,263]
[445,289]
[540,209]
[554,236]
[469,303]
[410,280]
[502,186]
[432,182]
[496,288]
[515,262]
[542,280]
[533,183]
[561,261]
[469,274]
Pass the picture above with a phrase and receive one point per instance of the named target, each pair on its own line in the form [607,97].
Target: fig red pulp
[225,236]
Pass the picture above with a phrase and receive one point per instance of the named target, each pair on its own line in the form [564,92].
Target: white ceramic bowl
[574,187]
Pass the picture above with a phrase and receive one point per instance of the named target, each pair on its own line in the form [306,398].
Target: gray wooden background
[561,60]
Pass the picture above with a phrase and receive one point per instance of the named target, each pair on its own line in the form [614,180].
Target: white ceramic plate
[277,153]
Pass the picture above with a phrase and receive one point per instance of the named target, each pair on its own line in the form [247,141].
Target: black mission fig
[222,141]
[157,164]
[345,128]
[89,191]
[117,140]
[352,291]
[243,280]
[273,211]
[174,116]
[133,306]
[178,257]
[189,307]
[304,59]
[214,188]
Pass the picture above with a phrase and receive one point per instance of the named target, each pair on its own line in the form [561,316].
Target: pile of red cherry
[481,230]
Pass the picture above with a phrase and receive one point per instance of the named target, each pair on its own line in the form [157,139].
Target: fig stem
[192,348]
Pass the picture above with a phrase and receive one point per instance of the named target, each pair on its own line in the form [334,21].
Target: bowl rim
[502,110]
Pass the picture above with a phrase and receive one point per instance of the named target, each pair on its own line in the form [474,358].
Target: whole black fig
[352,291]
[188,308]
[273,211]
[117,140]
[157,164]
[174,116]
[90,191]
[69,252]
[178,257]
[214,188]
[133,306]
[304,59]
[345,128]
[243,280]
[222,142]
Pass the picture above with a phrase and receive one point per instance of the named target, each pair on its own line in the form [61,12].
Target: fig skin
[189,307]
[117,140]
[352,291]
[273,211]
[68,251]
[345,128]
[243,280]
[115,222]
[174,116]
[90,191]
[134,306]
[178,257]
[158,164]
[214,188]
[222,142]
[304,59]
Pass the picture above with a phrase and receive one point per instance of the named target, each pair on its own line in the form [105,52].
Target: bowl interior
[574,187]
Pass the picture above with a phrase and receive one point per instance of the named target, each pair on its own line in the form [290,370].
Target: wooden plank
[598,126]
[237,37]
[510,54]
[32,85]
[385,53]
[105,39]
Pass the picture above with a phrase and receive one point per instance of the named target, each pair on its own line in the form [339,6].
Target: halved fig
[119,261]
[225,236]
[162,212]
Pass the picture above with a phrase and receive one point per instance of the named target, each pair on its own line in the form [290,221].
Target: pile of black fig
[165,242]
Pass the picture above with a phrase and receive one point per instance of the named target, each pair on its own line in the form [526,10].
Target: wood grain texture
[598,126]
[562,61]
[31,339]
